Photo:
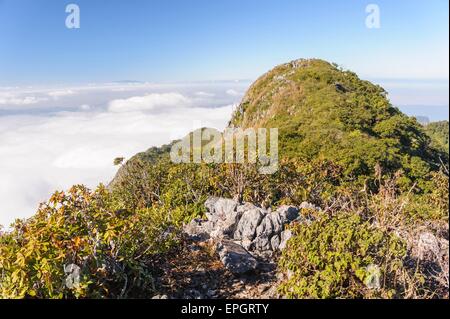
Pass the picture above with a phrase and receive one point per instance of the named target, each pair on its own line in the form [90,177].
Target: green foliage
[332,256]
[438,132]
[118,161]
[114,235]
[330,259]
[433,205]
[185,187]
[111,245]
[324,112]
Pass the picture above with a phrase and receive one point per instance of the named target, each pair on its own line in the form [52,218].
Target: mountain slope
[438,132]
[323,111]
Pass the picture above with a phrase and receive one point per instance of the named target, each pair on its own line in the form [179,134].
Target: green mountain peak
[324,111]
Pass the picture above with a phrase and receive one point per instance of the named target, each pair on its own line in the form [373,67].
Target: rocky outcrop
[246,228]
[242,231]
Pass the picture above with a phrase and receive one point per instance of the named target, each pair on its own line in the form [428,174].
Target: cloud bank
[67,136]
[150,102]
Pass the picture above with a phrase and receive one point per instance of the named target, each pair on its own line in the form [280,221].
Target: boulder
[270,225]
[223,216]
[235,258]
[210,204]
[226,228]
[252,228]
[220,208]
[246,228]
[261,244]
[230,223]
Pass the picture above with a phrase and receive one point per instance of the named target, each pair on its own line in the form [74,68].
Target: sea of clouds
[52,138]
[55,137]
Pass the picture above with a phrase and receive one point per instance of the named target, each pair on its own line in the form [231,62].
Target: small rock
[340,88]
[306,205]
[193,294]
[235,258]
[428,246]
[275,242]
[372,280]
[289,274]
[198,229]
[285,236]
[263,288]
[194,247]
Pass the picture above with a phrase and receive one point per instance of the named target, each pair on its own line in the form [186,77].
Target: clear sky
[180,40]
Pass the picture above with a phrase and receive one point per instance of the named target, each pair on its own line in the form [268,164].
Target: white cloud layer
[233,92]
[12,99]
[58,94]
[74,140]
[149,102]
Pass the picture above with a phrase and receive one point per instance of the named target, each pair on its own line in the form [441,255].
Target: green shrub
[111,246]
[438,132]
[324,112]
[333,258]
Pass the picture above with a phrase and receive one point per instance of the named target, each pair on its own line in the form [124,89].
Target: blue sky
[177,40]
